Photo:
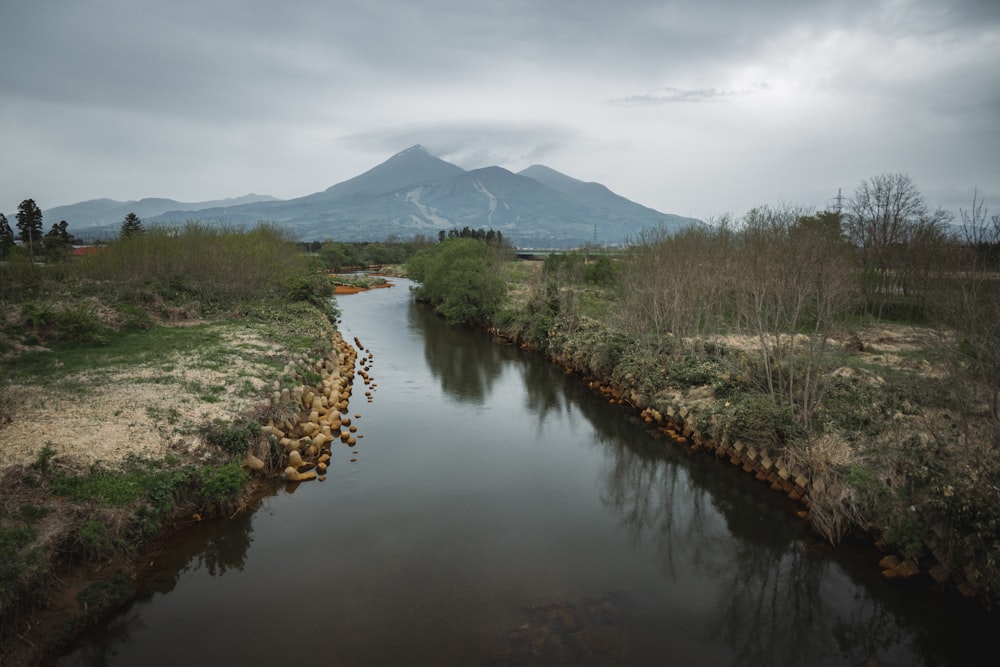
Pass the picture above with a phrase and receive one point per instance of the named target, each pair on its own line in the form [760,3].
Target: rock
[907,569]
[889,562]
[253,462]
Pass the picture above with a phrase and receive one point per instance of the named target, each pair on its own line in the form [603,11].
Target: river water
[497,512]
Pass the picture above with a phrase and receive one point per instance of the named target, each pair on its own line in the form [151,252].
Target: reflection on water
[501,513]
[213,548]
[466,372]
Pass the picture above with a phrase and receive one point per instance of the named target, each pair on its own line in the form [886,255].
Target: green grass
[124,349]
[105,486]
[15,554]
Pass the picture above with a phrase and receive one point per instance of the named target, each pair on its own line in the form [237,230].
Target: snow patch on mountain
[478,184]
[429,213]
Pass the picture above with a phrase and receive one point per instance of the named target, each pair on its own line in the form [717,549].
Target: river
[495,511]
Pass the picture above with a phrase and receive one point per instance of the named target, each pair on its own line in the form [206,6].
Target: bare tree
[973,309]
[676,284]
[795,283]
[884,216]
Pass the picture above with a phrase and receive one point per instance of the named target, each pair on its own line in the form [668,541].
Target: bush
[13,542]
[232,438]
[95,539]
[77,323]
[222,483]
[461,278]
[105,594]
[758,419]
[216,266]
[692,371]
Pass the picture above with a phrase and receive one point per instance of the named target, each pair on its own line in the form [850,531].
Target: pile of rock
[320,416]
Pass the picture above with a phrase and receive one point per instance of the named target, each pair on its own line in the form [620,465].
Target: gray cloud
[676,95]
[199,100]
[471,144]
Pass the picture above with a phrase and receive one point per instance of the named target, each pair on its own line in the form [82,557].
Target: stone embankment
[317,412]
[800,485]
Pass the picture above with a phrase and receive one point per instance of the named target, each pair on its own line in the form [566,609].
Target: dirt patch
[144,411]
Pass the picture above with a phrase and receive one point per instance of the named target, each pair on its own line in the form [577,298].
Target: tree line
[793,279]
[56,244]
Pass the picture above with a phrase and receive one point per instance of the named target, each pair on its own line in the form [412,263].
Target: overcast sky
[696,107]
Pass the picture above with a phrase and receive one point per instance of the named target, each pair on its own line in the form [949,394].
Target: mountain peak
[415,149]
[409,167]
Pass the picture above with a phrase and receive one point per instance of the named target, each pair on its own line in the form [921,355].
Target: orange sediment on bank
[340,288]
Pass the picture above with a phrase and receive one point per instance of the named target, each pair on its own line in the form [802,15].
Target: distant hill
[414,193]
[98,214]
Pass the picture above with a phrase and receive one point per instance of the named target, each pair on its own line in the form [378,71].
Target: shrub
[13,542]
[460,277]
[233,438]
[105,594]
[222,483]
[77,323]
[692,371]
[757,418]
[44,457]
[95,539]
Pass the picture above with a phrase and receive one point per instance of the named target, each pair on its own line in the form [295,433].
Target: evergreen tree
[131,226]
[58,241]
[29,222]
[6,237]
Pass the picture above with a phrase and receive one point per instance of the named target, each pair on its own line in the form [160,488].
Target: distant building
[81,250]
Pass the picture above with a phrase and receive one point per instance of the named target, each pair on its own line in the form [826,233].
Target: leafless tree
[886,214]
[973,308]
[795,283]
[675,284]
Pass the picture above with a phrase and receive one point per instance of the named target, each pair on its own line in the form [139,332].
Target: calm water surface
[496,512]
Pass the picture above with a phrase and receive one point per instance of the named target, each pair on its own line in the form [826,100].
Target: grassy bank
[871,405]
[132,387]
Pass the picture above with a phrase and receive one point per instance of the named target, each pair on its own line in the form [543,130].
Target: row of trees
[793,279]
[341,256]
[55,244]
[490,236]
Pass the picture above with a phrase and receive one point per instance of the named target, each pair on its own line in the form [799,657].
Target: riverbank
[105,450]
[695,418]
[878,429]
[884,459]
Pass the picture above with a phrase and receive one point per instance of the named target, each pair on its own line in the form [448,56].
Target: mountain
[409,167]
[100,213]
[414,193]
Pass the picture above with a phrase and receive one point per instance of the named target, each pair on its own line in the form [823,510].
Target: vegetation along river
[497,512]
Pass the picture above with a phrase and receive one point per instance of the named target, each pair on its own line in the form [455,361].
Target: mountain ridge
[104,211]
[415,193]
